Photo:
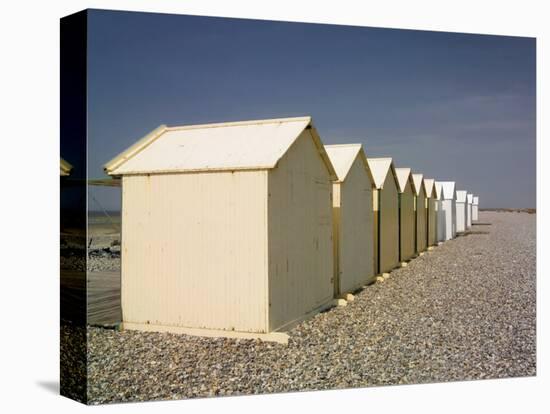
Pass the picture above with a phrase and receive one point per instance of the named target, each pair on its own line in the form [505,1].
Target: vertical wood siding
[194,250]
[460,217]
[389,225]
[432,220]
[300,234]
[421,233]
[354,236]
[407,223]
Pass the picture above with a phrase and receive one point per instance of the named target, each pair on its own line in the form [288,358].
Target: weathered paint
[300,247]
[353,225]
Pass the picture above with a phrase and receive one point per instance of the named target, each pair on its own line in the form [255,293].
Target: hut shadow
[472,233]
[482,224]
[50,386]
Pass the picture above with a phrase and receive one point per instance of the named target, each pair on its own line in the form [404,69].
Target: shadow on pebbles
[464,311]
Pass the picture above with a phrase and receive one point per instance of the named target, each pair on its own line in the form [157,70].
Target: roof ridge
[238,123]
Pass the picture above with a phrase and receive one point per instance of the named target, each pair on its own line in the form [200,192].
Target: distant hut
[352,218]
[407,217]
[448,209]
[386,214]
[475,206]
[461,207]
[431,210]
[421,213]
[226,228]
[469,200]
[65,168]
[440,213]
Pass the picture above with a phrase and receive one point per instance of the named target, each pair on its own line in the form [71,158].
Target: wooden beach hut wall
[469,200]
[352,218]
[448,209]
[475,206]
[407,217]
[386,214]
[431,211]
[440,213]
[421,213]
[461,211]
[225,227]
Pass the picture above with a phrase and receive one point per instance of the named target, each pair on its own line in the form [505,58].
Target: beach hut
[431,211]
[475,204]
[65,168]
[352,218]
[447,219]
[461,207]
[226,228]
[386,214]
[469,200]
[407,217]
[420,212]
[440,216]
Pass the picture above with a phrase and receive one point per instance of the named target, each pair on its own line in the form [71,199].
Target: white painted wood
[447,218]
[421,213]
[461,209]
[469,201]
[475,206]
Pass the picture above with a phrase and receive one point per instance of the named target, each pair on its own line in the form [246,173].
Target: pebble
[464,311]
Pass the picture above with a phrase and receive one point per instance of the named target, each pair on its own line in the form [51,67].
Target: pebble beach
[464,311]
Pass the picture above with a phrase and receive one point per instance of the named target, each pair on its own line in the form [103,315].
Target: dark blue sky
[452,106]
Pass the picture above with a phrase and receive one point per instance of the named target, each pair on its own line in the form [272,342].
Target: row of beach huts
[247,228]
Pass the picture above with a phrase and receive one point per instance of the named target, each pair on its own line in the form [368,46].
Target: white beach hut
[447,217]
[407,218]
[352,218]
[386,214]
[440,213]
[226,228]
[461,207]
[475,206]
[469,201]
[431,211]
[420,212]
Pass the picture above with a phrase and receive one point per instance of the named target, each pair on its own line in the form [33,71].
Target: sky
[451,106]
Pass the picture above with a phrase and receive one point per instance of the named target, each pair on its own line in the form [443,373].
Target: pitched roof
[461,196]
[245,145]
[475,201]
[438,190]
[342,157]
[429,183]
[419,183]
[448,189]
[65,168]
[469,197]
[404,175]
[379,168]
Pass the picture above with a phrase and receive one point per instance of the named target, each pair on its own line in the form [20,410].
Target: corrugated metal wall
[421,229]
[407,223]
[194,250]
[300,234]
[389,226]
[355,229]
